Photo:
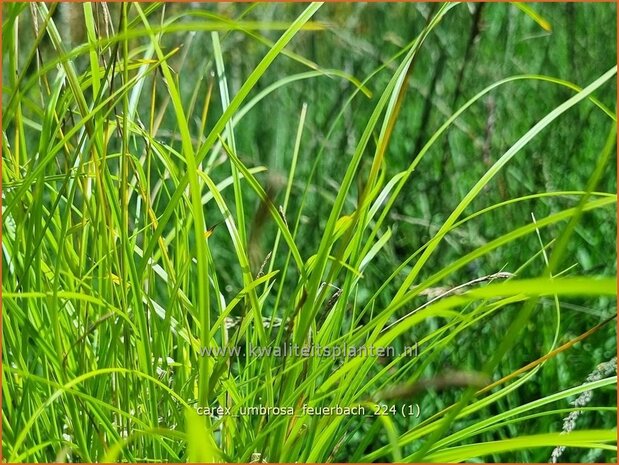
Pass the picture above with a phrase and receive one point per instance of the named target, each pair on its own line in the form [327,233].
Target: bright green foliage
[188,191]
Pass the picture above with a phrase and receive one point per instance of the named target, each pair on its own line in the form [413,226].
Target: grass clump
[307,233]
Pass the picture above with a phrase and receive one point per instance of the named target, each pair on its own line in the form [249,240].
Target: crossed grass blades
[429,176]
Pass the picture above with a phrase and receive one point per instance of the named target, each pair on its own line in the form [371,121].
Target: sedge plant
[179,284]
